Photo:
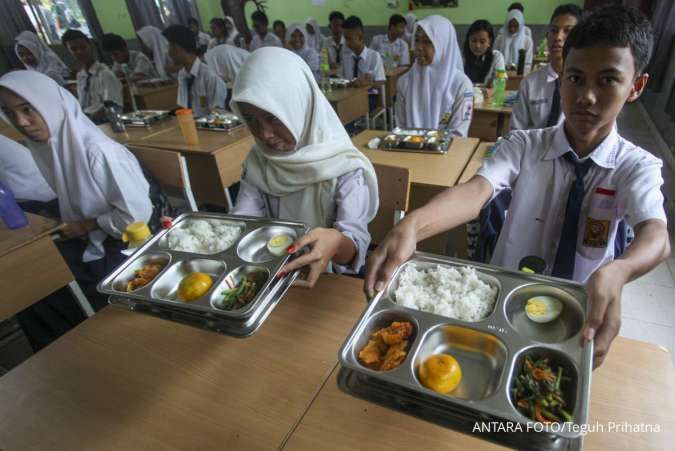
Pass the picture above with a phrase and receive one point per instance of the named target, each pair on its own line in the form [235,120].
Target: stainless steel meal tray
[227,266]
[417,140]
[490,351]
[340,83]
[223,122]
[144,118]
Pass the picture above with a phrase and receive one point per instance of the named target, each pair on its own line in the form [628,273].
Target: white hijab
[153,38]
[234,34]
[279,82]
[315,40]
[307,53]
[65,159]
[513,42]
[428,89]
[410,21]
[48,62]
[226,60]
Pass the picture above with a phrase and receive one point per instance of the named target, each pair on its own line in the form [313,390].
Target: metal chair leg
[81,298]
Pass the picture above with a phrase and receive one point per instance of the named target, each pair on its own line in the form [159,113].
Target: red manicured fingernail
[281,274]
[290,249]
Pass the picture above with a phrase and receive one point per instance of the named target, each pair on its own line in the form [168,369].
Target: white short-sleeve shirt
[395,53]
[208,89]
[370,63]
[534,101]
[623,184]
[96,85]
[270,40]
[335,49]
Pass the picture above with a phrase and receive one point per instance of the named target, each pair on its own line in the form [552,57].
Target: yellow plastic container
[136,234]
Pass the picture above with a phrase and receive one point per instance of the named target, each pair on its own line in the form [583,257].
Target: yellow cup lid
[136,231]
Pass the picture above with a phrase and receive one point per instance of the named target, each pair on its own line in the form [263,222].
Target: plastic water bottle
[499,86]
[12,215]
[325,71]
[113,113]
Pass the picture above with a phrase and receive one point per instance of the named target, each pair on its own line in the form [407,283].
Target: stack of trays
[491,353]
[417,140]
[223,122]
[144,118]
[238,253]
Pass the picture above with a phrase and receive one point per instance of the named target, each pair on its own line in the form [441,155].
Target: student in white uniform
[218,31]
[155,45]
[519,7]
[314,37]
[96,83]
[303,165]
[138,65]
[201,39]
[233,35]
[572,183]
[538,103]
[435,93]
[481,60]
[36,55]
[360,63]
[393,49]
[409,35]
[226,60]
[335,43]
[279,28]
[199,88]
[100,187]
[514,39]
[297,43]
[261,36]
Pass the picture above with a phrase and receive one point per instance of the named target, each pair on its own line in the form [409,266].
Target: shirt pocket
[598,228]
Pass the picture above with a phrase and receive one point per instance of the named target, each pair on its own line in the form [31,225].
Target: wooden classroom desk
[31,265]
[636,384]
[490,122]
[124,380]
[475,163]
[157,97]
[138,133]
[429,174]
[349,103]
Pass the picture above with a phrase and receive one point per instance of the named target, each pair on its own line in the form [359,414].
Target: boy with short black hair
[572,183]
[390,46]
[201,39]
[361,63]
[96,83]
[261,36]
[137,64]
[335,43]
[199,88]
[538,103]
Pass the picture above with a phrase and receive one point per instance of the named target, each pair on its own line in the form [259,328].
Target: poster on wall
[417,4]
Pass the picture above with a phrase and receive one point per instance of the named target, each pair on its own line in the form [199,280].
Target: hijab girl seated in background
[296,37]
[435,93]
[515,38]
[303,166]
[481,60]
[37,56]
[99,185]
[155,45]
[314,37]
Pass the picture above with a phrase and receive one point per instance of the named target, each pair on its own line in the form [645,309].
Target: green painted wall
[114,17]
[209,9]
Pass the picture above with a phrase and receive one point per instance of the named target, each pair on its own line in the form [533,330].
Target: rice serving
[204,236]
[445,290]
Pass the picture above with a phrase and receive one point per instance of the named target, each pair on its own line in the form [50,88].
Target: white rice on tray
[204,236]
[445,290]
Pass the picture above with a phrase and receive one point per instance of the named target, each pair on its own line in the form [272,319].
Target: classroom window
[176,11]
[51,18]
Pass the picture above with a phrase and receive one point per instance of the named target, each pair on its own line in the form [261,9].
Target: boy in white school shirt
[199,88]
[538,102]
[96,83]
[572,183]
[201,39]
[390,46]
[261,36]
[138,65]
[335,43]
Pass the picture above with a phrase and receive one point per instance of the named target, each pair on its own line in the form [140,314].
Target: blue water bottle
[12,215]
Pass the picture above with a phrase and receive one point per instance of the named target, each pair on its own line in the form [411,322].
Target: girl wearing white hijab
[155,42]
[435,93]
[409,35]
[514,38]
[99,184]
[233,37]
[36,55]
[226,60]
[314,38]
[296,37]
[303,166]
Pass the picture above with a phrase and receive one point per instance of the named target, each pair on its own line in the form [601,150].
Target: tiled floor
[648,304]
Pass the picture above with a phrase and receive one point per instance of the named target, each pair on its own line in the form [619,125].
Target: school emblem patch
[596,233]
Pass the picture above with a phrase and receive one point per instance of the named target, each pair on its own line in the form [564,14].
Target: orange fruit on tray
[440,373]
[193,286]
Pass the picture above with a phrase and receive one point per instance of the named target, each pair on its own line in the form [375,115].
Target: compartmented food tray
[417,140]
[477,315]
[340,83]
[144,118]
[213,270]
[153,82]
[223,122]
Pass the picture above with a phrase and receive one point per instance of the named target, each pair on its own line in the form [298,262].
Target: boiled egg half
[543,309]
[278,245]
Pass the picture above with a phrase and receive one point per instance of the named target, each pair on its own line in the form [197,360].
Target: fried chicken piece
[395,356]
[371,354]
[396,332]
[387,347]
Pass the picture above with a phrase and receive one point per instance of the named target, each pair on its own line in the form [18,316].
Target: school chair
[380,106]
[394,189]
[169,169]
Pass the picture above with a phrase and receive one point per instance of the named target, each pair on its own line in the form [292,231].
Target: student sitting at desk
[36,55]
[201,39]
[138,65]
[393,49]
[538,103]
[435,93]
[335,43]
[261,36]
[297,43]
[279,28]
[199,88]
[303,165]
[233,36]
[219,33]
[226,60]
[314,37]
[514,39]
[154,44]
[572,183]
[96,83]
[481,60]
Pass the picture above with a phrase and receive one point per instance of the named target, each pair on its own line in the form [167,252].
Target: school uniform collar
[196,66]
[93,69]
[604,155]
[551,74]
[364,53]
[332,40]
